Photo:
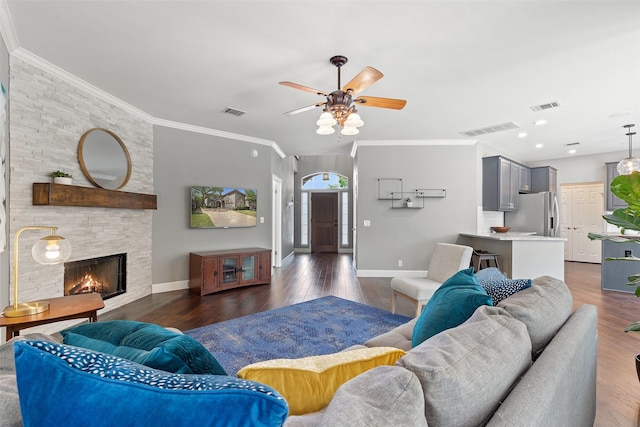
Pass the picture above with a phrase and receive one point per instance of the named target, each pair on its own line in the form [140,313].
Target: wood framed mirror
[104,159]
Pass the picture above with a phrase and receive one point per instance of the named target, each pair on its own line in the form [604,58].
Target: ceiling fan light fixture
[325,130]
[630,164]
[326,120]
[349,130]
[354,120]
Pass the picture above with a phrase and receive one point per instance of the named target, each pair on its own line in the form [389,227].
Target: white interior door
[584,205]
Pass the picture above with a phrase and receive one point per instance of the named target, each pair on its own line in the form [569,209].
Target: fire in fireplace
[105,275]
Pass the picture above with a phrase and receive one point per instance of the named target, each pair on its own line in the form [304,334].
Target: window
[344,235]
[304,218]
[325,181]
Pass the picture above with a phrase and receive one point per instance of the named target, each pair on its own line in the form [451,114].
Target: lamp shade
[349,130]
[354,121]
[326,119]
[325,130]
[51,250]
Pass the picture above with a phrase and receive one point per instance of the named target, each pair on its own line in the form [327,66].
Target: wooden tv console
[215,271]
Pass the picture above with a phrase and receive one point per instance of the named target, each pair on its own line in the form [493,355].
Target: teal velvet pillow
[75,387]
[451,304]
[145,343]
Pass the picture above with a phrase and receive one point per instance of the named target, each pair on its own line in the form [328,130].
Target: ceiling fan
[340,106]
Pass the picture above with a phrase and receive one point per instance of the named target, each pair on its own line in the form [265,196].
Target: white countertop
[514,235]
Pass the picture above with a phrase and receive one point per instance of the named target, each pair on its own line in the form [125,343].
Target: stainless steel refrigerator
[537,212]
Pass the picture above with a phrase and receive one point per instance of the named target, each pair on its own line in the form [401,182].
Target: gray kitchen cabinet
[544,178]
[615,273]
[613,201]
[500,184]
[525,179]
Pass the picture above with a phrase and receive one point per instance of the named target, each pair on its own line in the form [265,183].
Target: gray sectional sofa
[530,361]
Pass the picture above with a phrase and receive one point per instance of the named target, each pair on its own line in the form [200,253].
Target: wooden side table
[62,308]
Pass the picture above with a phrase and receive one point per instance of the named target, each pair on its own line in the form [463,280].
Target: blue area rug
[321,326]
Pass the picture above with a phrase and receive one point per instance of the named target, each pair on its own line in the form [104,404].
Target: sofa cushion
[145,343]
[308,383]
[381,397]
[86,388]
[399,337]
[453,303]
[9,402]
[499,286]
[465,372]
[544,308]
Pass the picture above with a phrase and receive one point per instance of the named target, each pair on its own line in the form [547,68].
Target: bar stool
[478,257]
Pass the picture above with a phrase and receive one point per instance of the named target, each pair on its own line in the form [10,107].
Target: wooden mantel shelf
[48,193]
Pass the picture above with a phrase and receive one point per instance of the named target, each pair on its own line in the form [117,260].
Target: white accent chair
[446,260]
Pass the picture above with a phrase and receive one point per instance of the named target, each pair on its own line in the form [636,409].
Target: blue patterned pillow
[83,387]
[498,286]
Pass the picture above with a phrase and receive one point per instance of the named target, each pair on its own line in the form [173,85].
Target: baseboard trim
[391,273]
[169,286]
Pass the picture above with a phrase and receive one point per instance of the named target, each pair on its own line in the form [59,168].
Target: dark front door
[324,222]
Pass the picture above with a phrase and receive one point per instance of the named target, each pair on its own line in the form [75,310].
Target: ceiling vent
[234,112]
[546,106]
[571,144]
[491,129]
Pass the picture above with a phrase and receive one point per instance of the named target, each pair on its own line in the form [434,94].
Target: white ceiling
[460,65]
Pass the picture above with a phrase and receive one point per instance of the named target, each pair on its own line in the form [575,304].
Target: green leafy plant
[408,200]
[60,174]
[627,188]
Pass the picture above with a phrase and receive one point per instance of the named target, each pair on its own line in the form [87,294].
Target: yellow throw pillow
[308,384]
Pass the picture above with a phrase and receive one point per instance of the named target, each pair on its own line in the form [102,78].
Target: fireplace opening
[104,275]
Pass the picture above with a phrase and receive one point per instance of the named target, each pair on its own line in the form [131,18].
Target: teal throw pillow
[451,305]
[499,286]
[145,343]
[75,387]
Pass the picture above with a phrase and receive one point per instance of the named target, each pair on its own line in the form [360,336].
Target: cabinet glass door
[229,270]
[248,267]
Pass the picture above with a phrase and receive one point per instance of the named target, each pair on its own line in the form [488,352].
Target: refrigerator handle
[555,216]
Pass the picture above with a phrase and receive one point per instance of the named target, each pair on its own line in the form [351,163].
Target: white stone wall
[48,115]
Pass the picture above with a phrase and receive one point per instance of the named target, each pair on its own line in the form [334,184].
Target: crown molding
[36,61]
[408,142]
[7,30]
[220,133]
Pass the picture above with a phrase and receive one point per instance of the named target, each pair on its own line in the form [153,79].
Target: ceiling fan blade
[304,88]
[363,80]
[307,108]
[372,101]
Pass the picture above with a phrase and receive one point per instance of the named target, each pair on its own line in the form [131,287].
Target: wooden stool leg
[495,259]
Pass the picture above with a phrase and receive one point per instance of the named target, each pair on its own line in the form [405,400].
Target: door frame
[276,224]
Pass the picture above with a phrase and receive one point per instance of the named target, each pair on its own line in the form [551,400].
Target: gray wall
[410,234]
[183,159]
[285,170]
[582,169]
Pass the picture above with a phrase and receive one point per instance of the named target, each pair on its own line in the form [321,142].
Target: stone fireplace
[104,275]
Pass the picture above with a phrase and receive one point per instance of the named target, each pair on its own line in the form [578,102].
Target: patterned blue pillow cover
[498,286]
[81,387]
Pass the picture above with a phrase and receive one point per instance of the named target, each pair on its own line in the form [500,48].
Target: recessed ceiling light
[522,134]
[539,145]
[572,151]
[540,122]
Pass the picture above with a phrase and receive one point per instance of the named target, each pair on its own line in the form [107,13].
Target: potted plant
[409,202]
[60,177]
[626,187]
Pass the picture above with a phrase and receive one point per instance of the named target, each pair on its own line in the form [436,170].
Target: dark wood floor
[305,277]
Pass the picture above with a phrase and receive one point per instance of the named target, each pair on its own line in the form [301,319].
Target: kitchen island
[522,255]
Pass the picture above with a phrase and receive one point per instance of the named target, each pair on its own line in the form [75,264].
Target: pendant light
[630,164]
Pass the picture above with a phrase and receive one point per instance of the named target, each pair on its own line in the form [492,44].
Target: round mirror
[104,159]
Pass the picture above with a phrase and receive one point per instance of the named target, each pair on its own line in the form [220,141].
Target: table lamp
[48,250]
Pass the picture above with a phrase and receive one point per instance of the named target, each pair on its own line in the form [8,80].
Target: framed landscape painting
[223,207]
